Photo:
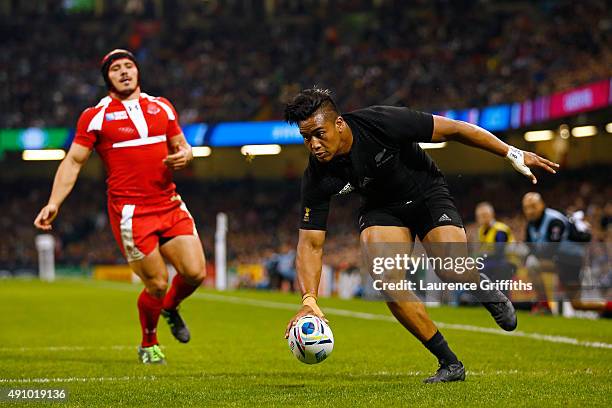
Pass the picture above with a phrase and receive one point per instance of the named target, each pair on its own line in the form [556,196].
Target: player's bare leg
[185,253]
[153,273]
[436,243]
[410,311]
[413,316]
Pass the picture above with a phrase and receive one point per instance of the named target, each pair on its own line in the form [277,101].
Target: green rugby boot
[151,355]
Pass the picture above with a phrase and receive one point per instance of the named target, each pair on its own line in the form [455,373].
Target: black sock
[438,346]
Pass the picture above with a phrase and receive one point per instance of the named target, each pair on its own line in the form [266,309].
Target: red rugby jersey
[131,138]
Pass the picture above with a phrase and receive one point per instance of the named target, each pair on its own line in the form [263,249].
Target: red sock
[178,291]
[149,308]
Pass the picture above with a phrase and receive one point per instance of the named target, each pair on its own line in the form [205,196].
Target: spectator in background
[554,248]
[490,230]
[494,237]
[285,266]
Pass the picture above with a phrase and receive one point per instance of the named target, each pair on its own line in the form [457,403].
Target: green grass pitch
[81,335]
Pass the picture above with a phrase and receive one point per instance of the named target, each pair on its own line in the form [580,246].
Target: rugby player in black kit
[375,152]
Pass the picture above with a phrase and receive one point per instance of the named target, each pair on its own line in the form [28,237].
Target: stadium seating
[423,56]
[269,220]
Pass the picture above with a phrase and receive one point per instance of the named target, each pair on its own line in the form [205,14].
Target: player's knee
[198,278]
[195,274]
[157,287]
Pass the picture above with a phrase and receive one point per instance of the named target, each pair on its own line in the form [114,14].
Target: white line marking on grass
[423,373]
[45,380]
[75,379]
[65,348]
[379,317]
[373,316]
[536,336]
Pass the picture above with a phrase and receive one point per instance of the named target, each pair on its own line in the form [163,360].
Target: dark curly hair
[307,102]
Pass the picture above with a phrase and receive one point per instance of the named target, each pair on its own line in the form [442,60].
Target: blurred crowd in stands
[263,218]
[239,60]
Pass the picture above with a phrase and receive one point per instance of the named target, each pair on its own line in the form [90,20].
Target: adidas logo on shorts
[444,217]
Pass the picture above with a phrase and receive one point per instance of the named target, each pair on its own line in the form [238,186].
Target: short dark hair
[307,102]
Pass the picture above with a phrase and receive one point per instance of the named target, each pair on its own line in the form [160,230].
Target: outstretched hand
[524,161]
[533,160]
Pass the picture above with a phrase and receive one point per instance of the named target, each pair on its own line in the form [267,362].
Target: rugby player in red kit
[139,139]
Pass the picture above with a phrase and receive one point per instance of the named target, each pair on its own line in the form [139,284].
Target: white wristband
[517,158]
[515,155]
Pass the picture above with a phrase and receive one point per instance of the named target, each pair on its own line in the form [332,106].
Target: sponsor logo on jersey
[153,109]
[121,115]
[444,217]
[306,214]
[127,130]
[347,189]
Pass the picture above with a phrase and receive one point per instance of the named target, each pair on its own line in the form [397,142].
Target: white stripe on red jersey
[96,121]
[135,113]
[141,141]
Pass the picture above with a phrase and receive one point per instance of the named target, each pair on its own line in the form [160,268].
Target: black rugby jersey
[385,166]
